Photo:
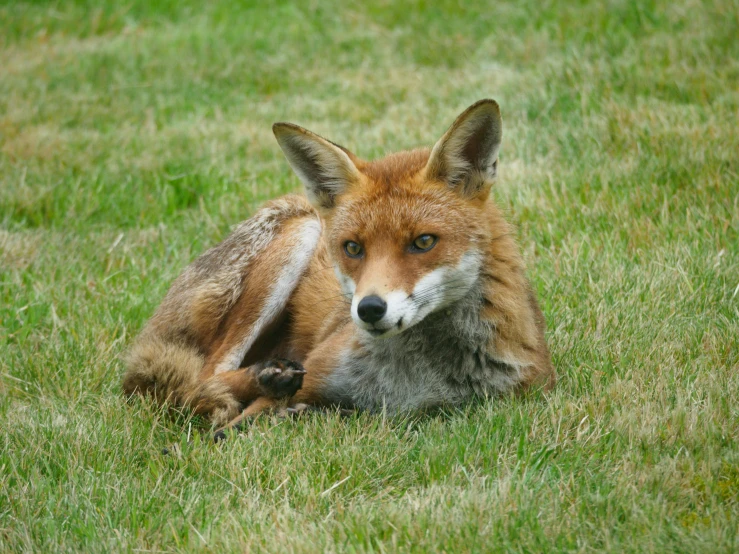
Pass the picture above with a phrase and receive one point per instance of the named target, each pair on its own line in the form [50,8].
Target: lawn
[134,135]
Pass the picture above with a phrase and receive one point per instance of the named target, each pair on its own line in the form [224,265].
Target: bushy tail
[170,373]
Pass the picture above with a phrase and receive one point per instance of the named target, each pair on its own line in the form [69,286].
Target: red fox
[395,285]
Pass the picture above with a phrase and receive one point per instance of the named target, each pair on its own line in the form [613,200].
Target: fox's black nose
[371,309]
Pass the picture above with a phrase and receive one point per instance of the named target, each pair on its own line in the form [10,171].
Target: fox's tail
[169,372]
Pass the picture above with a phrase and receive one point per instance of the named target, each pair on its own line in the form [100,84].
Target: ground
[134,135]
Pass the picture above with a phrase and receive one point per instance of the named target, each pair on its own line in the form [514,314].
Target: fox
[391,285]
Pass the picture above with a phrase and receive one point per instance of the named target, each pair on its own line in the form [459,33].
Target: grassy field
[134,135]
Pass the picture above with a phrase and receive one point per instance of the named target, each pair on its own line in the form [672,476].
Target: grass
[132,136]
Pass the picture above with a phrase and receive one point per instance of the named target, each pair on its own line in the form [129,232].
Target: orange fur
[212,338]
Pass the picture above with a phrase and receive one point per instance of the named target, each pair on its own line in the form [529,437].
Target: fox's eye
[423,243]
[352,249]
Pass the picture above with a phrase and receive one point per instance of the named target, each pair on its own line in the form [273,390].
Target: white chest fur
[445,359]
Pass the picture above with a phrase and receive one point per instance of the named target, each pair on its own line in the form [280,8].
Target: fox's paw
[294,411]
[280,378]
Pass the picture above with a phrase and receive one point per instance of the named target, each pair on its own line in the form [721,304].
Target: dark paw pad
[280,378]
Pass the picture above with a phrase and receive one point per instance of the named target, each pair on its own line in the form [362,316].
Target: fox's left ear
[466,157]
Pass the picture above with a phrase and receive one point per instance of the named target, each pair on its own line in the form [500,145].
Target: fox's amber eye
[352,249]
[424,243]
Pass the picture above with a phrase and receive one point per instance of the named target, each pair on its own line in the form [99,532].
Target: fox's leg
[314,394]
[254,320]
[268,388]
[276,378]
[222,385]
[267,290]
[320,365]
[219,309]
[259,406]
[282,408]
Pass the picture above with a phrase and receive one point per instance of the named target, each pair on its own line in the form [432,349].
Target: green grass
[133,135]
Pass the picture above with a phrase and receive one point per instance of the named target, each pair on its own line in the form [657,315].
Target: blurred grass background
[134,134]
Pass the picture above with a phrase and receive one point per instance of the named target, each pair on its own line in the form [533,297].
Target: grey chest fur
[445,359]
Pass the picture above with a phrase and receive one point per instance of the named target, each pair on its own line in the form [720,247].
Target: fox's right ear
[466,157]
[325,168]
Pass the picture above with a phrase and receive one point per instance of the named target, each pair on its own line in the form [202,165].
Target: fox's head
[406,232]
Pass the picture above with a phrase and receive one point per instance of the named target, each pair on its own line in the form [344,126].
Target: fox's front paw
[280,378]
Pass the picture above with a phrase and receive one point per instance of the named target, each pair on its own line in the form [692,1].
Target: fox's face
[404,232]
[403,254]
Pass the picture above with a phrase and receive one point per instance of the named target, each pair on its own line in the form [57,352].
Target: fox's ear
[325,168]
[466,156]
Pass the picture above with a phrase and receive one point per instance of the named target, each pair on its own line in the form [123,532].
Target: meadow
[134,135]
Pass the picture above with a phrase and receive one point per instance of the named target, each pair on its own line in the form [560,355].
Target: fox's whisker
[316,271]
[429,293]
[341,296]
